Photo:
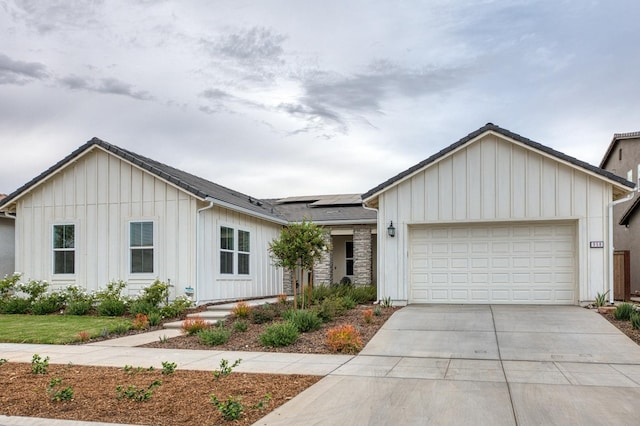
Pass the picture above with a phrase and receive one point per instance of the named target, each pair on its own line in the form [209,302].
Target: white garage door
[493,263]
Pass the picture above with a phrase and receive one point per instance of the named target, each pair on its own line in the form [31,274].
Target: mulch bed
[625,327]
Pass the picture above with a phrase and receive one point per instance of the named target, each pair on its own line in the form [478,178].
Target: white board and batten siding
[101,194]
[264,279]
[489,199]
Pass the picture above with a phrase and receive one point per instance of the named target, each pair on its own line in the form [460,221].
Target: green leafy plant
[39,365]
[141,307]
[57,393]
[155,319]
[155,294]
[177,307]
[225,369]
[134,393]
[231,409]
[130,369]
[121,327]
[168,368]
[262,404]
[601,299]
[34,289]
[262,314]
[3,361]
[213,336]
[48,303]
[240,326]
[377,311]
[111,308]
[345,339]
[623,311]
[163,339]
[348,302]
[635,320]
[305,321]
[78,307]
[193,325]
[15,305]
[9,284]
[279,334]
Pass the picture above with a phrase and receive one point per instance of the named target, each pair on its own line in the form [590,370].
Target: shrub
[231,409]
[177,307]
[15,305]
[34,289]
[262,314]
[225,368]
[601,299]
[168,368]
[64,394]
[132,392]
[367,314]
[155,294]
[48,303]
[330,308]
[141,307]
[193,325]
[241,310]
[214,336]
[623,311]
[635,320]
[240,326]
[348,302]
[9,284]
[279,334]
[305,320]
[155,318]
[140,322]
[377,311]
[78,307]
[345,339]
[39,365]
[320,292]
[113,291]
[121,327]
[111,308]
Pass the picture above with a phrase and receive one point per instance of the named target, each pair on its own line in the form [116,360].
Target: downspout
[611,248]
[200,244]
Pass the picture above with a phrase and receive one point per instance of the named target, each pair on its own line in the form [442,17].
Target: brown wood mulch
[183,397]
[624,326]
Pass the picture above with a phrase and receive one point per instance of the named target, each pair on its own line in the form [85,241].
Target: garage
[532,263]
[496,218]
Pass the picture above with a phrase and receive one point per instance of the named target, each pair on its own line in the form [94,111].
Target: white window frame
[55,250]
[235,251]
[130,248]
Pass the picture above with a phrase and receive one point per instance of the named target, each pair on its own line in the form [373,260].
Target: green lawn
[54,329]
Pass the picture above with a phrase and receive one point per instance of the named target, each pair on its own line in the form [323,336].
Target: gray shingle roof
[197,186]
[492,127]
[343,208]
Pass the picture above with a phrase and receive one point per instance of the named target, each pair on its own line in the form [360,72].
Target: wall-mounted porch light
[391,230]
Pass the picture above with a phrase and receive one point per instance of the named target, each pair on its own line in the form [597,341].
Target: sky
[278,98]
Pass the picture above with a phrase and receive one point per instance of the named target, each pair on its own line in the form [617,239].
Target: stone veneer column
[323,270]
[362,267]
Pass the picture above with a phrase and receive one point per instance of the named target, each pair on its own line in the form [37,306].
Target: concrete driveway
[480,365]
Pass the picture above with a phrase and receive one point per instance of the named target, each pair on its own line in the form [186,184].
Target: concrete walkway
[480,365]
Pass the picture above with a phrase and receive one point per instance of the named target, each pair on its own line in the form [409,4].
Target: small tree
[300,245]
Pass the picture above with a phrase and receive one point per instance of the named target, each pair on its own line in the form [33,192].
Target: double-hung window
[235,251]
[141,247]
[64,249]
[349,257]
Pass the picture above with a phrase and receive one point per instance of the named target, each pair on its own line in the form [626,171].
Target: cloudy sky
[290,97]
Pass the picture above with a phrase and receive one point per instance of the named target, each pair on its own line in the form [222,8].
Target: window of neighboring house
[349,257]
[64,249]
[141,247]
[630,175]
[234,246]
[620,154]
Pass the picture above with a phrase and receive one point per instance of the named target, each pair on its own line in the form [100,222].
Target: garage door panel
[493,263]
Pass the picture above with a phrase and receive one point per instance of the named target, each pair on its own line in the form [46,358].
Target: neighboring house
[495,218]
[623,159]
[7,243]
[104,213]
[351,237]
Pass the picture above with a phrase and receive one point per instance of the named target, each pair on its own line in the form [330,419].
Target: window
[349,257]
[64,249]
[141,247]
[630,175]
[232,248]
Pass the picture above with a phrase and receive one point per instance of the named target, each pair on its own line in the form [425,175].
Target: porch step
[215,313]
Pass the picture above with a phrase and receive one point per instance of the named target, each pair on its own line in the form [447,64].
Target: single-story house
[7,243]
[495,218]
[105,213]
[623,159]
[351,236]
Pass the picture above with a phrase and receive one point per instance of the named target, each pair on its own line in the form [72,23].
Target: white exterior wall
[493,180]
[264,279]
[101,194]
[7,246]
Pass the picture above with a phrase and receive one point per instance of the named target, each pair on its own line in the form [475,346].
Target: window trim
[62,249]
[236,252]
[152,247]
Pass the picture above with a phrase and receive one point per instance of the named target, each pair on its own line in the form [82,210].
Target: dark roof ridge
[492,127]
